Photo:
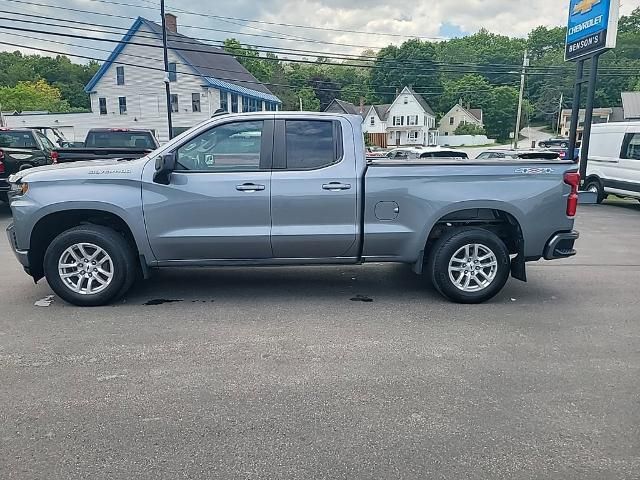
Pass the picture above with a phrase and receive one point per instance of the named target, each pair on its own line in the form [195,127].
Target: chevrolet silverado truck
[288,188]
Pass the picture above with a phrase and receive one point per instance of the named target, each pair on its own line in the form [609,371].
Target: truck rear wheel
[469,265]
[90,265]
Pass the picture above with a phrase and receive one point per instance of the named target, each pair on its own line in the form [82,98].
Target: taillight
[573,180]
[54,157]
[1,166]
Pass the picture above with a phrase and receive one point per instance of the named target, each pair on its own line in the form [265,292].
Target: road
[278,373]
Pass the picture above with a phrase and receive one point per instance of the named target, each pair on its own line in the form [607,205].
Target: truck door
[217,204]
[313,190]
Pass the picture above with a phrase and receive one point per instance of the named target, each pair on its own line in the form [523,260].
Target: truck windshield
[121,140]
[17,140]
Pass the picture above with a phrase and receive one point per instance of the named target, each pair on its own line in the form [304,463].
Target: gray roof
[209,61]
[476,112]
[631,105]
[382,111]
[423,103]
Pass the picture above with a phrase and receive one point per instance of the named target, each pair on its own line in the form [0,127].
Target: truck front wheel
[90,265]
[469,265]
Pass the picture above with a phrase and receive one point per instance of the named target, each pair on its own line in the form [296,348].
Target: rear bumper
[561,245]
[21,255]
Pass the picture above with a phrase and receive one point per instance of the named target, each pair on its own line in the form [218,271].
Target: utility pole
[525,64]
[300,103]
[560,114]
[166,70]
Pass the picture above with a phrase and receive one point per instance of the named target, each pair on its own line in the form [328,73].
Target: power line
[56,52]
[264,22]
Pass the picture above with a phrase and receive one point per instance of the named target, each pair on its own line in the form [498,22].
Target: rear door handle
[336,186]
[249,187]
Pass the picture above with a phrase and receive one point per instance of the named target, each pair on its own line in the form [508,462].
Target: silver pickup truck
[288,188]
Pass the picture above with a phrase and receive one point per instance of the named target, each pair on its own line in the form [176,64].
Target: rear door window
[312,144]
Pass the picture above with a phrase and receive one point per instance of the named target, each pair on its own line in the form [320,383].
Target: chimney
[361,105]
[171,21]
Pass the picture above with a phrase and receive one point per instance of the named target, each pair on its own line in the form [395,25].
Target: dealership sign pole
[592,30]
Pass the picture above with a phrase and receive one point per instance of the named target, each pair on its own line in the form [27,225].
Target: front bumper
[21,255]
[561,245]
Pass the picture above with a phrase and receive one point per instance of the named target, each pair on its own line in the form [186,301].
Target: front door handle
[336,186]
[249,187]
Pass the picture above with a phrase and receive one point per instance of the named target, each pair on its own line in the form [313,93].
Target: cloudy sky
[398,19]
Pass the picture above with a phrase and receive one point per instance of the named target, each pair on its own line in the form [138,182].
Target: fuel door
[387,211]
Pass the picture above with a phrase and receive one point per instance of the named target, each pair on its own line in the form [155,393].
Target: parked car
[558,142]
[614,160]
[511,154]
[21,148]
[376,152]
[412,153]
[105,143]
[289,188]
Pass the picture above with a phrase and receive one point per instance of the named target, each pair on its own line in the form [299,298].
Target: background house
[631,105]
[600,115]
[459,115]
[128,91]
[409,120]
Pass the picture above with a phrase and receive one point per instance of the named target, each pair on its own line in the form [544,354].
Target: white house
[459,115]
[129,89]
[409,120]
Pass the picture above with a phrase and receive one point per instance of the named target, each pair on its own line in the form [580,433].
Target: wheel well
[503,224]
[591,178]
[54,224]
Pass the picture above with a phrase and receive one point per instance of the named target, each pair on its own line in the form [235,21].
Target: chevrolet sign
[593,27]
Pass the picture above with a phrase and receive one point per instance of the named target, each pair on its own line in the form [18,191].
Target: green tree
[37,95]
[500,119]
[469,129]
[250,59]
[309,100]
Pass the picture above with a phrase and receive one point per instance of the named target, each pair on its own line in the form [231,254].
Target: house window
[234,102]
[412,120]
[224,101]
[122,104]
[426,121]
[406,100]
[413,136]
[174,103]
[245,104]
[120,75]
[451,120]
[398,121]
[373,120]
[173,74]
[271,106]
[195,102]
[103,106]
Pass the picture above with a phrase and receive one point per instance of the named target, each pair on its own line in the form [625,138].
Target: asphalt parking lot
[278,373]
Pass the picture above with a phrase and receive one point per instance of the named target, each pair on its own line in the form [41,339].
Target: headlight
[19,188]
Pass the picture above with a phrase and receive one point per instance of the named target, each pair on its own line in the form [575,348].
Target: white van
[614,160]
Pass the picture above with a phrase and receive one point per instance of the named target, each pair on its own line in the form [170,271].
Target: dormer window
[406,100]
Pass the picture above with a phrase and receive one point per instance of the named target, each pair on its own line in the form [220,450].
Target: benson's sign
[593,26]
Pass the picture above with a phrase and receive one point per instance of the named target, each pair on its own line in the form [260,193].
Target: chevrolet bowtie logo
[585,6]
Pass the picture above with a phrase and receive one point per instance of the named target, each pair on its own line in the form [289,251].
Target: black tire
[594,184]
[444,250]
[564,145]
[115,245]
[542,145]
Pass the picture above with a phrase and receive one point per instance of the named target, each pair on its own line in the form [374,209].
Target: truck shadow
[358,283]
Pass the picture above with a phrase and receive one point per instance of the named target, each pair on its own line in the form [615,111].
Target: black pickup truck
[110,143]
[22,148]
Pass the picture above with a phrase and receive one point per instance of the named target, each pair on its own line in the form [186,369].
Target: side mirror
[165,164]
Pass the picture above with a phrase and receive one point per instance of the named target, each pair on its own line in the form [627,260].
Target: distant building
[409,120]
[631,105]
[600,115]
[128,91]
[340,106]
[459,115]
